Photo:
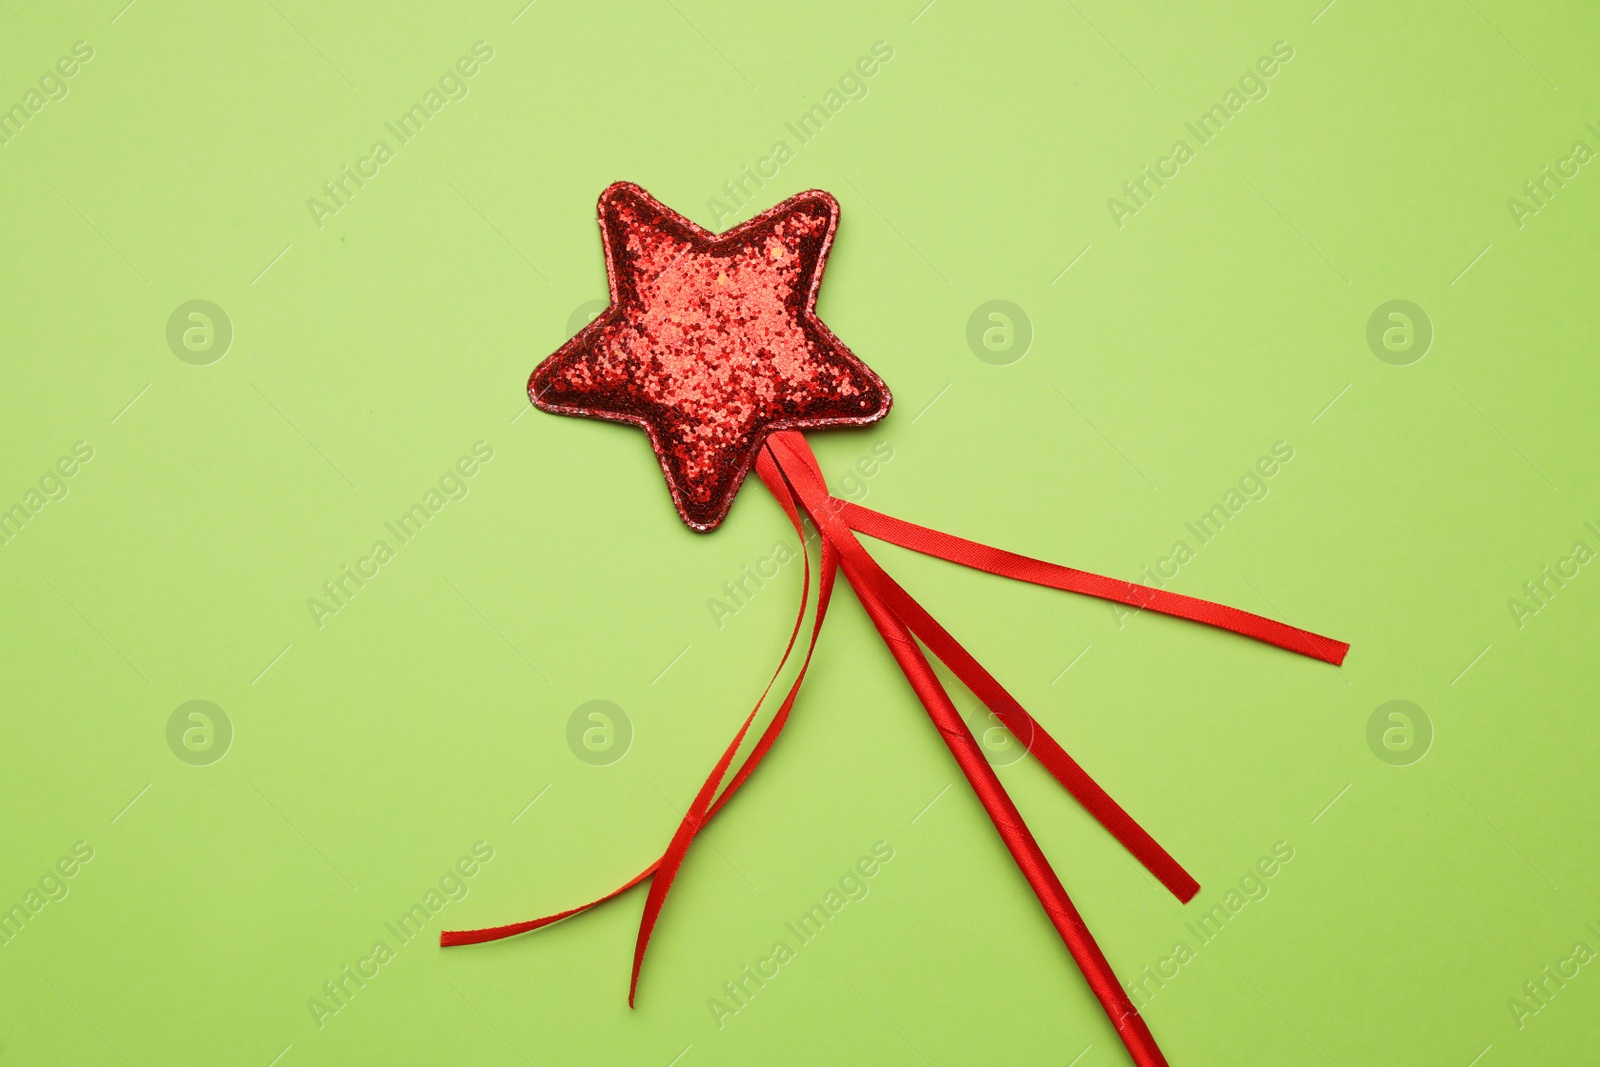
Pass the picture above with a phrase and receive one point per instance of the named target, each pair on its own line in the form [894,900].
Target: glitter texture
[711,343]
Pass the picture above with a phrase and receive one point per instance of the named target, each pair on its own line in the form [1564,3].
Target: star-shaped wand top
[711,343]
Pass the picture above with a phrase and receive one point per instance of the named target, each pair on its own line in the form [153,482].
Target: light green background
[371,753]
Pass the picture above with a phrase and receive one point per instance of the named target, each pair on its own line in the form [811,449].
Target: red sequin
[711,343]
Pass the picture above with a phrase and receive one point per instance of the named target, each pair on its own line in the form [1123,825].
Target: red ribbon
[788,468]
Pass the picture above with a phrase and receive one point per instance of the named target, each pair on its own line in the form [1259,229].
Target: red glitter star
[711,343]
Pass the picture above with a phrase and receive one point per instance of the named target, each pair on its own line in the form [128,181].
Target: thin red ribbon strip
[1038,572]
[789,469]
[828,569]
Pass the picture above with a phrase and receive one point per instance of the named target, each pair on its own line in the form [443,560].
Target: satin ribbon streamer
[789,470]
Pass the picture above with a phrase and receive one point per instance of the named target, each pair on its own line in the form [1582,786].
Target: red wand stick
[721,360]
[798,467]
